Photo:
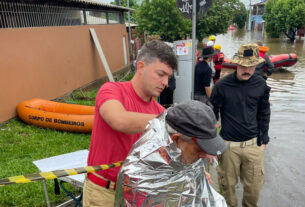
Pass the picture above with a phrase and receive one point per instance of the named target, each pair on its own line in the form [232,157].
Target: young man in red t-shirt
[122,110]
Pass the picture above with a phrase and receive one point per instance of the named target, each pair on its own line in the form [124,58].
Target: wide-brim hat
[196,119]
[208,52]
[248,55]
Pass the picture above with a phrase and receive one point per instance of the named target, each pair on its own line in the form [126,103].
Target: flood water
[284,157]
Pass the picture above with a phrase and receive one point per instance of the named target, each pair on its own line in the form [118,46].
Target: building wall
[256,22]
[48,62]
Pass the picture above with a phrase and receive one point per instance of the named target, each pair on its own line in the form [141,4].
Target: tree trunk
[290,35]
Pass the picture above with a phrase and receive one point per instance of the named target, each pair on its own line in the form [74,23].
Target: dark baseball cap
[196,119]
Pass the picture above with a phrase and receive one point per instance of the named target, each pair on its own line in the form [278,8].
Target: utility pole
[194,46]
[129,33]
[256,17]
[249,24]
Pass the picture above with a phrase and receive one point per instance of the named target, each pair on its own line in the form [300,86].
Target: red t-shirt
[107,145]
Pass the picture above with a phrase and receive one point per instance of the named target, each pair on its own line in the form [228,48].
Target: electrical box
[183,91]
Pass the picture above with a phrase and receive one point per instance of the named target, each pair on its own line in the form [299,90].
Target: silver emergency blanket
[152,174]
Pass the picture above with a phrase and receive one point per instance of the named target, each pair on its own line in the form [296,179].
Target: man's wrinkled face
[244,73]
[190,151]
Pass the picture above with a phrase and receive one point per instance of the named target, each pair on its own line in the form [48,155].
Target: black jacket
[203,75]
[244,108]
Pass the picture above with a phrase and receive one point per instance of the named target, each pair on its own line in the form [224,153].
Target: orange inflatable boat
[54,115]
[282,60]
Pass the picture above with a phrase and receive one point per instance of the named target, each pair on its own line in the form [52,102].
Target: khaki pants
[244,160]
[97,196]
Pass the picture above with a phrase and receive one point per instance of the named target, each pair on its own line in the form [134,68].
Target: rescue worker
[242,99]
[218,60]
[198,57]
[211,43]
[203,76]
[266,68]
[211,40]
[122,111]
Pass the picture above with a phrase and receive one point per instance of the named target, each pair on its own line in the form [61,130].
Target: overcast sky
[108,1]
[246,2]
[104,1]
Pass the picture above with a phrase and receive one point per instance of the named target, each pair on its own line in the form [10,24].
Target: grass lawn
[20,144]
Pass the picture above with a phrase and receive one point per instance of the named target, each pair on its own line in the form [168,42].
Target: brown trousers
[97,196]
[244,160]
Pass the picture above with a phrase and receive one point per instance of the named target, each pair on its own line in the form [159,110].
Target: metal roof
[91,4]
[259,3]
[99,4]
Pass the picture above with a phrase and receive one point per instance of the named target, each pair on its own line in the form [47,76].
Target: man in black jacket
[243,101]
[203,76]
[167,95]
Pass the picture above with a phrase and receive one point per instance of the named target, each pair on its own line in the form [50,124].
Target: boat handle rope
[55,174]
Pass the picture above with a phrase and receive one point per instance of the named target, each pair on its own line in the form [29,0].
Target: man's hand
[208,91]
[208,176]
[263,146]
[210,158]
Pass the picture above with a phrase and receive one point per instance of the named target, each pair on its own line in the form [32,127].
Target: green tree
[284,16]
[162,17]
[240,16]
[132,3]
[217,19]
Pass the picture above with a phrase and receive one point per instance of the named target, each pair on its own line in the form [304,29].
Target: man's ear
[140,66]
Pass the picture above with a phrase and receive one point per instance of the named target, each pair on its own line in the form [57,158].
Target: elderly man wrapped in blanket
[164,167]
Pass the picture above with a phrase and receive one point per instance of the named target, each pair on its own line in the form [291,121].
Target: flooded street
[284,158]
